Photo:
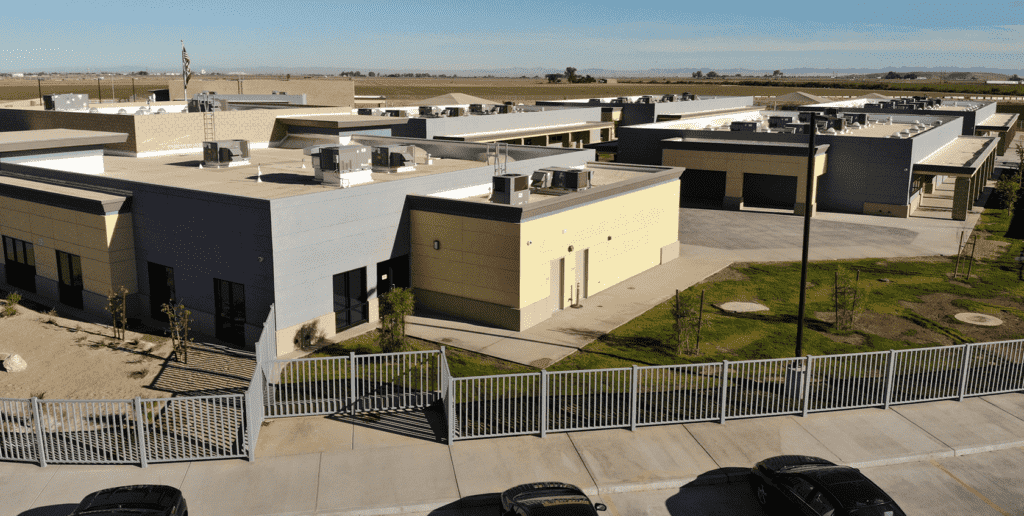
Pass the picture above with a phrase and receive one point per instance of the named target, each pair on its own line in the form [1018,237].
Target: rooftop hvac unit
[394,113]
[831,111]
[805,117]
[743,126]
[622,100]
[859,118]
[393,158]
[429,111]
[872,105]
[775,122]
[800,128]
[645,99]
[66,102]
[512,189]
[343,165]
[225,153]
[476,108]
[455,111]
[594,101]
[938,102]
[571,179]
[541,179]
[369,111]
[668,98]
[839,124]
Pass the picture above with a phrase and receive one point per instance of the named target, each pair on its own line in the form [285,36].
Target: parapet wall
[319,92]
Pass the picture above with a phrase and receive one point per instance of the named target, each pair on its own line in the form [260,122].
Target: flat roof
[878,126]
[338,121]
[962,152]
[997,121]
[55,193]
[526,132]
[13,141]
[603,176]
[282,171]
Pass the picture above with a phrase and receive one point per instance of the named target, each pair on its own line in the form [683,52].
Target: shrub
[11,306]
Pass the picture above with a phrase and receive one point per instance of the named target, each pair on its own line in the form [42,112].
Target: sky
[236,35]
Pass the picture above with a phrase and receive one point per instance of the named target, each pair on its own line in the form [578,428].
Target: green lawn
[896,314]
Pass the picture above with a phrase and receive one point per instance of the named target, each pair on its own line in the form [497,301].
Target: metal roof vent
[122,111]
[161,111]
[936,123]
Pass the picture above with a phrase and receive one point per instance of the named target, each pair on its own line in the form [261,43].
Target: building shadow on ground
[211,369]
[427,424]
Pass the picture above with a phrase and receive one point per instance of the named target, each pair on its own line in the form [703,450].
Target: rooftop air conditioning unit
[343,165]
[225,153]
[66,102]
[541,179]
[594,101]
[393,158]
[622,100]
[775,122]
[455,111]
[571,179]
[511,189]
[429,111]
[743,126]
[369,111]
[476,108]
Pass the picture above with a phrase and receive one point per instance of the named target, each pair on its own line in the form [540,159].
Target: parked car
[548,499]
[797,484]
[137,500]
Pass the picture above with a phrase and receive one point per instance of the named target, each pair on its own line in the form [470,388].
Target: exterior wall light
[609,238]
[437,245]
[528,242]
[570,249]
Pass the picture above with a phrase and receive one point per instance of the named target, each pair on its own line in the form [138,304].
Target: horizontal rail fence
[195,428]
[927,374]
[995,367]
[18,438]
[588,400]
[678,394]
[353,383]
[762,387]
[848,381]
[493,406]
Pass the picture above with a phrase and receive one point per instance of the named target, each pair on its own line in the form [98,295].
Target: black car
[796,484]
[547,499]
[138,500]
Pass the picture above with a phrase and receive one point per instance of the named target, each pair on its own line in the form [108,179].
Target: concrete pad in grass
[621,460]
[72,483]
[871,437]
[494,465]
[272,485]
[741,443]
[22,484]
[969,426]
[923,488]
[405,476]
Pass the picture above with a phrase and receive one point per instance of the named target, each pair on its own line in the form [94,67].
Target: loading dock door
[702,187]
[769,191]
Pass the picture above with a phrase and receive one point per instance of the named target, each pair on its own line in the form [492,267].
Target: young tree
[395,305]
[686,311]
[117,306]
[178,318]
[848,298]
[1008,189]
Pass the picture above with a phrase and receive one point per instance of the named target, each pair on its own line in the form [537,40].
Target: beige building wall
[27,119]
[319,92]
[105,243]
[500,272]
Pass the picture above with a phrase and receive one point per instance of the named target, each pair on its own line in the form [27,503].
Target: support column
[801,194]
[929,187]
[961,198]
[733,191]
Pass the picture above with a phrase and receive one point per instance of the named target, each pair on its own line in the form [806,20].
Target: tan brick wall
[319,92]
[27,119]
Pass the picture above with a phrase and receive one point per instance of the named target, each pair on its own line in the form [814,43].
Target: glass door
[20,264]
[350,299]
[229,299]
[161,289]
[69,272]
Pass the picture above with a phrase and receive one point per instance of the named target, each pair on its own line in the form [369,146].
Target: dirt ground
[70,359]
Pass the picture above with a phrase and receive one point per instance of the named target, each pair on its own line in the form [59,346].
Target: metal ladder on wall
[209,127]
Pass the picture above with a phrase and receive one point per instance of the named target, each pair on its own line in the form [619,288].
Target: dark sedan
[138,500]
[547,499]
[796,484]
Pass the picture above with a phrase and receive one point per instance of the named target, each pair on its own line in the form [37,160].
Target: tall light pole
[807,238]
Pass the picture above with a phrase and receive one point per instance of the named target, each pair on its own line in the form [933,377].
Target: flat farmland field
[28,89]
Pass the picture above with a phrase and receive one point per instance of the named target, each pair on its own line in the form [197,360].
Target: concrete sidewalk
[395,463]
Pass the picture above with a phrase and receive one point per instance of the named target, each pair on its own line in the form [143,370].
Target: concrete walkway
[710,240]
[395,463]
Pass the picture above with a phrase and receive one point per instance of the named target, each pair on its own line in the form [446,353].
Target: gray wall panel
[433,127]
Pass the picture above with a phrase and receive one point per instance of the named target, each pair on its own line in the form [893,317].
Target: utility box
[343,165]
[225,153]
[511,189]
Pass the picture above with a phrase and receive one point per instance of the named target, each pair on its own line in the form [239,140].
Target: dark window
[820,504]
[392,273]
[229,299]
[20,264]
[161,289]
[350,299]
[69,272]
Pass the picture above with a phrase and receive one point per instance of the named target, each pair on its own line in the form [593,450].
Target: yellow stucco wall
[105,243]
[741,162]
[639,223]
[319,92]
[509,264]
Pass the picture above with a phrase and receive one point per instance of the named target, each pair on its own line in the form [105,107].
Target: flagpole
[184,79]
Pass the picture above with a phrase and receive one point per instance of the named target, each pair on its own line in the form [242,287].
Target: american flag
[185,70]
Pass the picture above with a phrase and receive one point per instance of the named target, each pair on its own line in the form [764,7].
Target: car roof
[847,485]
[146,496]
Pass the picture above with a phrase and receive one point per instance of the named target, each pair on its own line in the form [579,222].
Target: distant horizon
[402,35]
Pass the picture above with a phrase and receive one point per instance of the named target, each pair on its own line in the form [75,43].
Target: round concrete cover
[739,306]
[978,319]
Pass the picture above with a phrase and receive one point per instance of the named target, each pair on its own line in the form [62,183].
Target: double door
[350,301]
[69,274]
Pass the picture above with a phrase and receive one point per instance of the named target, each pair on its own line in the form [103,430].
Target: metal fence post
[633,381]
[451,410]
[543,403]
[352,381]
[964,369]
[805,388]
[724,394]
[140,424]
[889,377]
[440,371]
[39,432]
